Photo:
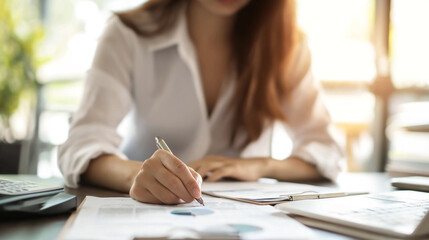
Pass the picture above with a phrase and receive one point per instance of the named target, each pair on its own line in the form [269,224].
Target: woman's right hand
[165,179]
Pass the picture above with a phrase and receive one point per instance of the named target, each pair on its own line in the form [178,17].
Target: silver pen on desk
[160,144]
[315,195]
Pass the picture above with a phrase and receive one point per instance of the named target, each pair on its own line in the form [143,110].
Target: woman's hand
[165,179]
[217,167]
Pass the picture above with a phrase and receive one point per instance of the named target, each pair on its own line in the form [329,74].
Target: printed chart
[192,212]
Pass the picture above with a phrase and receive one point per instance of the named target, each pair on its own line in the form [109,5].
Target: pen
[160,144]
[303,196]
[340,194]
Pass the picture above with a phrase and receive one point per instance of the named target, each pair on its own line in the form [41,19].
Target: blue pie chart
[192,212]
[244,228]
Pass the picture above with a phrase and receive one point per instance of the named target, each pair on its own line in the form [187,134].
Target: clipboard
[286,197]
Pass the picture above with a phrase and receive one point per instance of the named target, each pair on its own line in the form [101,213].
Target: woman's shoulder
[300,63]
[118,35]
[302,55]
[116,30]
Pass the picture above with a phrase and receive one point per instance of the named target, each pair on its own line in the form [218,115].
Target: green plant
[20,33]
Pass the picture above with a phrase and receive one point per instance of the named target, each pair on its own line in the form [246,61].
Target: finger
[139,192]
[163,194]
[145,179]
[195,165]
[173,184]
[196,176]
[180,169]
[209,167]
[227,171]
[143,195]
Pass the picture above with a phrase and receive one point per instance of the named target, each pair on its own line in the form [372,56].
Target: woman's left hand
[216,167]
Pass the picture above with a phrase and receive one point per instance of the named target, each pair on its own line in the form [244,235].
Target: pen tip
[201,201]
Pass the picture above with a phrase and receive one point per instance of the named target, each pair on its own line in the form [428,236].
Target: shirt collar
[177,35]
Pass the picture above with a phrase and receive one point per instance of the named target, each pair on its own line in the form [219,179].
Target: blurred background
[370,56]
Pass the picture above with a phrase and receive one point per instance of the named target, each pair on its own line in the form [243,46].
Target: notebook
[401,214]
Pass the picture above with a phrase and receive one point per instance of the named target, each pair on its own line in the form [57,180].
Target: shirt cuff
[75,154]
[329,160]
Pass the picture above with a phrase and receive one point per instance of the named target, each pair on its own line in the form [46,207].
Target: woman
[211,77]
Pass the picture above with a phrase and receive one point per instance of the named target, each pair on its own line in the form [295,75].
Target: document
[270,193]
[125,218]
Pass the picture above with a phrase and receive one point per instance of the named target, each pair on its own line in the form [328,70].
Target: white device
[402,214]
[417,183]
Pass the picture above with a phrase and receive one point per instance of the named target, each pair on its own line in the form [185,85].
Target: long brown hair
[264,38]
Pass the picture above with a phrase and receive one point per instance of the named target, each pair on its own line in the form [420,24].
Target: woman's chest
[170,95]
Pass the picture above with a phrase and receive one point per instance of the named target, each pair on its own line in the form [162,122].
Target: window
[409,38]
[340,36]
[72,29]
[408,129]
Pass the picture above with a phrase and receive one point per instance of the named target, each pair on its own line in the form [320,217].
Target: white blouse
[154,86]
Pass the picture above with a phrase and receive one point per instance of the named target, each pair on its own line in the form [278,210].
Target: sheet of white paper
[125,218]
[261,191]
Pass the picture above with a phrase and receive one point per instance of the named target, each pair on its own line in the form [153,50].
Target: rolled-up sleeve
[106,100]
[308,122]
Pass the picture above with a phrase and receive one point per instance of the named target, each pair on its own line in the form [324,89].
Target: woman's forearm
[214,167]
[111,172]
[291,169]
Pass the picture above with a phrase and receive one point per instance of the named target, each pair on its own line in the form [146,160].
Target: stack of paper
[125,218]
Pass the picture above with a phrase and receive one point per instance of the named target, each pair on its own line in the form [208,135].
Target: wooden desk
[49,227]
